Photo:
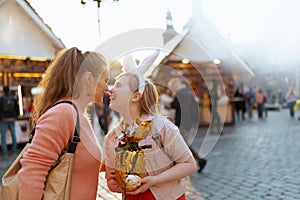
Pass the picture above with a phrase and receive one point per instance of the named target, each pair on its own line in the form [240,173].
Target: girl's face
[101,87]
[120,95]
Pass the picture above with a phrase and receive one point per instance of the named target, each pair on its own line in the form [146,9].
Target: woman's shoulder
[63,109]
[62,112]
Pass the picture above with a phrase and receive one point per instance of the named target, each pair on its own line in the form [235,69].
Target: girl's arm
[178,171]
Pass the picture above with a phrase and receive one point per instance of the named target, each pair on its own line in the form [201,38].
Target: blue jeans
[291,108]
[4,125]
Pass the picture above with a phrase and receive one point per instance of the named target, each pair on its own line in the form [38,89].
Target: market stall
[27,47]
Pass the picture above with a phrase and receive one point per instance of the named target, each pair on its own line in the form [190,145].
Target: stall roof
[203,44]
[24,33]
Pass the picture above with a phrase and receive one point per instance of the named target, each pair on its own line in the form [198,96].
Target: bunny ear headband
[129,65]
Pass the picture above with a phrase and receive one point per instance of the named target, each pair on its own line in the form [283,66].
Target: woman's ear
[136,97]
[88,78]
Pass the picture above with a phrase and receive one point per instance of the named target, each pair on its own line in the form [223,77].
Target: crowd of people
[249,98]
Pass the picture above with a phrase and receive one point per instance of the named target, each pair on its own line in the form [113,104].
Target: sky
[269,29]
[77,25]
[259,28]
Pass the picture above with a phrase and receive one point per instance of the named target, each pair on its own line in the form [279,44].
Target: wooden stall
[27,47]
[200,78]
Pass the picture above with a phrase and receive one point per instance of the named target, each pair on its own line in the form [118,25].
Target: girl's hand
[112,174]
[111,181]
[112,178]
[147,182]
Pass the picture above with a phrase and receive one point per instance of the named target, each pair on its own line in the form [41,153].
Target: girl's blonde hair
[149,102]
[62,78]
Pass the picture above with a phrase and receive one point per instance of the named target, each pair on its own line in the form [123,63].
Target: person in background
[297,108]
[265,108]
[260,98]
[215,117]
[186,115]
[240,105]
[166,98]
[9,111]
[291,98]
[30,106]
[250,100]
[104,114]
[80,78]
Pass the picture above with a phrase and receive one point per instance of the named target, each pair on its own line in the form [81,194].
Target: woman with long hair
[79,78]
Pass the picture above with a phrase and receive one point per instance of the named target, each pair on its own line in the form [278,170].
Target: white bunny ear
[147,62]
[129,63]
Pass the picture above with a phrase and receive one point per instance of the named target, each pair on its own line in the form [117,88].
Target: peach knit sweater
[53,131]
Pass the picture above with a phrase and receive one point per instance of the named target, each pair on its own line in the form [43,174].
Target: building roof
[203,44]
[24,33]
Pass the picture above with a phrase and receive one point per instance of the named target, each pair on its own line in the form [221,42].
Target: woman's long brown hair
[62,76]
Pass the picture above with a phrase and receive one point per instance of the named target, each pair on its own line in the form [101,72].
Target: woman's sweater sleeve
[53,132]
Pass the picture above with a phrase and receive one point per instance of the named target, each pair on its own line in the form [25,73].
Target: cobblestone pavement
[254,159]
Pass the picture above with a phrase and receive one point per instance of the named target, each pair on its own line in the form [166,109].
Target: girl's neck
[131,115]
[128,120]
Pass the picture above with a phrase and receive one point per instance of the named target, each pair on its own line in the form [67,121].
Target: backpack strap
[75,139]
[157,140]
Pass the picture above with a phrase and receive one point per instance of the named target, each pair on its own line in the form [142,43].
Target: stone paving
[254,159]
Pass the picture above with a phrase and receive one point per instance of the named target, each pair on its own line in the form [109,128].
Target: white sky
[77,25]
[241,20]
[273,24]
[248,20]
[270,26]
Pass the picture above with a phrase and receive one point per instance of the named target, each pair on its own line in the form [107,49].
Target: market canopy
[203,44]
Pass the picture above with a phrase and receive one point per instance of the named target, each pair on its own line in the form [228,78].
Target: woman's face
[120,95]
[101,87]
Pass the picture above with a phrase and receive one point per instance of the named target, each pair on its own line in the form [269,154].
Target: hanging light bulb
[98,2]
[83,2]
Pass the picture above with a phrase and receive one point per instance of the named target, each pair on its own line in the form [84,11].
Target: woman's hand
[147,182]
